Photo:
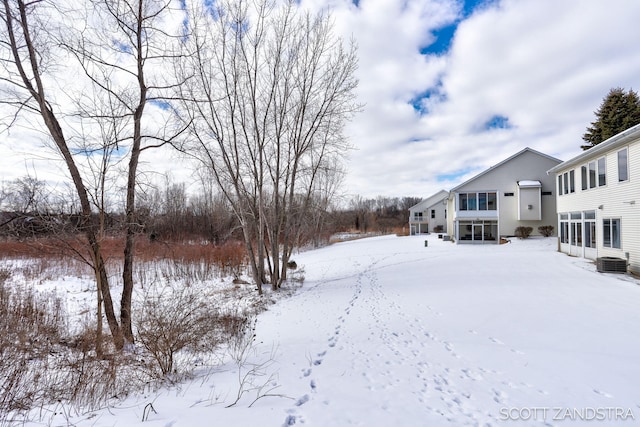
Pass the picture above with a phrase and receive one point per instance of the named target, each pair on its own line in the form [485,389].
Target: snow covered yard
[386,331]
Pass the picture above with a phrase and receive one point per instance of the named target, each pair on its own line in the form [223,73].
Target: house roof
[519,153]
[529,184]
[615,141]
[431,200]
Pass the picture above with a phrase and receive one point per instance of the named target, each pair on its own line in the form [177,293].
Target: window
[611,233]
[472,201]
[433,213]
[602,172]
[482,201]
[417,216]
[492,199]
[463,202]
[623,165]
[572,181]
[590,229]
[592,174]
[567,183]
[564,228]
[576,233]
[547,193]
[560,185]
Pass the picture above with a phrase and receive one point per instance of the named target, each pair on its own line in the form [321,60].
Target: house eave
[612,143]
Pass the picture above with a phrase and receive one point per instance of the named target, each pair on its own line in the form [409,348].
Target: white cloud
[544,65]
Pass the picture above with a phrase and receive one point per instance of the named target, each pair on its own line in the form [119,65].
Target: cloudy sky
[451,87]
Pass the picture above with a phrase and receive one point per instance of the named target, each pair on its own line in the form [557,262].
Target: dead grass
[42,361]
[49,256]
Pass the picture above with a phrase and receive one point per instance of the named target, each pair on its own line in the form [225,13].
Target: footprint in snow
[289,421]
[499,396]
[497,341]
[304,399]
[602,393]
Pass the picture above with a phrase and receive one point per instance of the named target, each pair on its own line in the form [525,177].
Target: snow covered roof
[529,184]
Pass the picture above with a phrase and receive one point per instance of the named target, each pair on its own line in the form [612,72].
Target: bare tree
[27,52]
[123,51]
[270,92]
[120,46]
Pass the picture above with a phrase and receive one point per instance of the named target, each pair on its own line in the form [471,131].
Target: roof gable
[431,200]
[505,161]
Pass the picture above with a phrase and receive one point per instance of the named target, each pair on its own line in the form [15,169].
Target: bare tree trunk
[131,222]
[33,84]
[117,67]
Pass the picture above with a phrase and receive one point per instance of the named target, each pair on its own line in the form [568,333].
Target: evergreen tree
[619,111]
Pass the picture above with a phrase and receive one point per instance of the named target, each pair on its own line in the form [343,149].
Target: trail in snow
[386,331]
[393,362]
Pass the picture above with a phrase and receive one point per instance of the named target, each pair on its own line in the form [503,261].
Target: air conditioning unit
[607,264]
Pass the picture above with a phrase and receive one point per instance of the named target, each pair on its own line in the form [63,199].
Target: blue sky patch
[444,35]
[454,176]
[121,47]
[163,105]
[418,101]
[497,122]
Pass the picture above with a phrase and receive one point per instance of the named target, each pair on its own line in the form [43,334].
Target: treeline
[172,212]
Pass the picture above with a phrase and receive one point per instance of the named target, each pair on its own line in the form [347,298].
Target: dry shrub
[31,325]
[176,318]
[42,363]
[546,230]
[523,232]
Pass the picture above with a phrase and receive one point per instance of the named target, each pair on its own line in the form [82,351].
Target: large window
[564,228]
[478,231]
[482,201]
[472,200]
[594,174]
[567,182]
[611,233]
[623,165]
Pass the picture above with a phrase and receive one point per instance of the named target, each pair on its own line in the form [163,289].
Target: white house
[430,215]
[598,200]
[515,192]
